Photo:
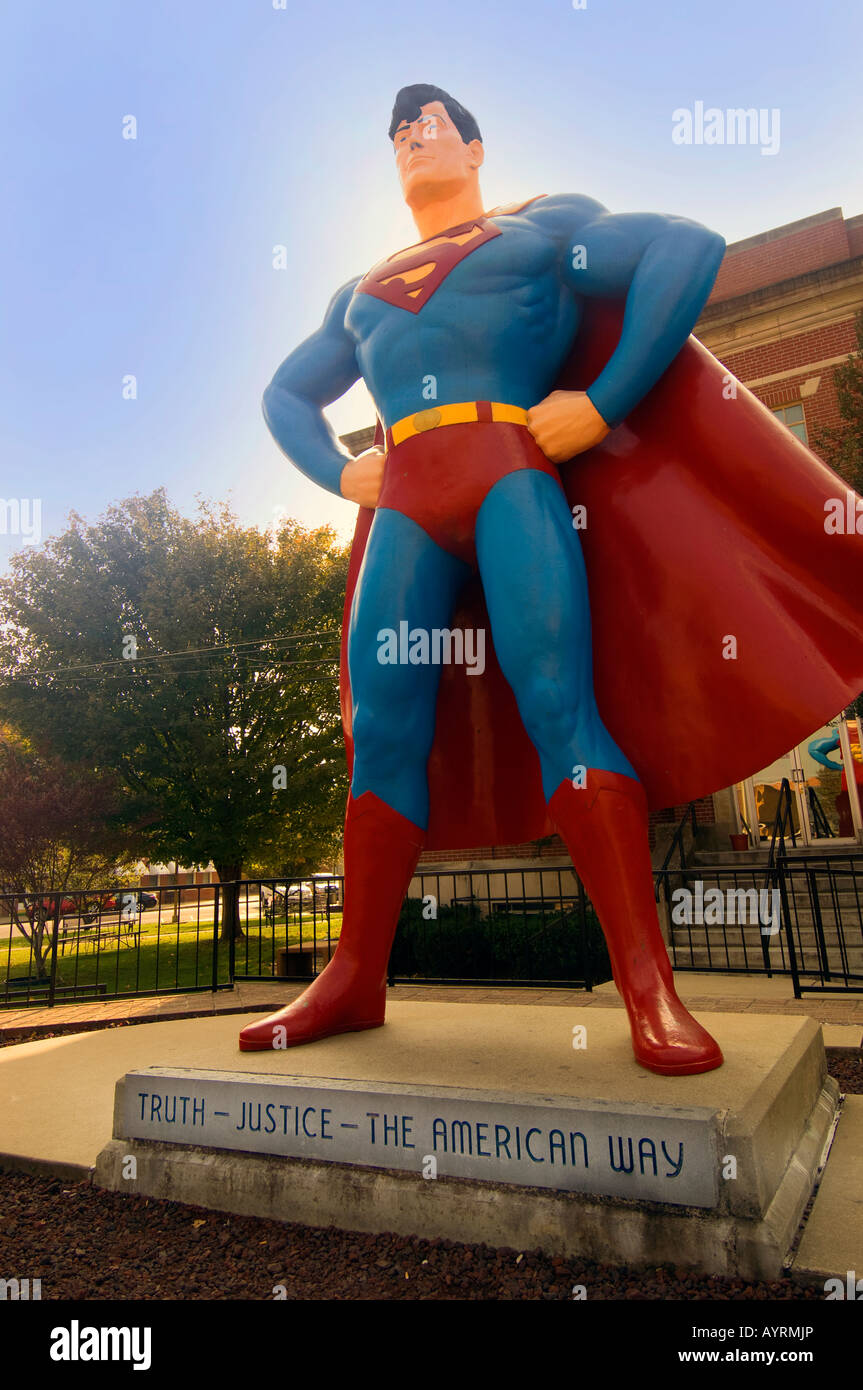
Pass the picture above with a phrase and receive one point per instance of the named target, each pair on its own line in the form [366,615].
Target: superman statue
[559,463]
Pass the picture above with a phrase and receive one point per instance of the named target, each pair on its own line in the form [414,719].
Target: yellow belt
[460,413]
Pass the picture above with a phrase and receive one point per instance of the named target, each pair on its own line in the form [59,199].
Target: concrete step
[729,856]
[734,959]
[761,856]
[848,903]
[830,909]
[803,934]
[802,925]
[840,886]
[802,931]
[832,1243]
[699,958]
[826,849]
[804,922]
[836,885]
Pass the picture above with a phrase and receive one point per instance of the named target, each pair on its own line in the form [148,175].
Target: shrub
[513,944]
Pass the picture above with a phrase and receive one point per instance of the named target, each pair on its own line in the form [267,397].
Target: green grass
[172,960]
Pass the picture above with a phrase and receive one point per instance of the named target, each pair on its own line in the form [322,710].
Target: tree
[196,658]
[300,845]
[842,445]
[59,833]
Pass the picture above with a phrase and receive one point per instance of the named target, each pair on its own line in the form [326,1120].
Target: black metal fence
[521,927]
[527,926]
[719,919]
[822,905]
[524,927]
[110,944]
[289,928]
[531,926]
[802,917]
[798,914]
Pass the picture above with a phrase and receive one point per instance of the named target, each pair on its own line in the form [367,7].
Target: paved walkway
[842,1016]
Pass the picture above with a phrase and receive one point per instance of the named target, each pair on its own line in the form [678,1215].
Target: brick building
[781,319]
[781,315]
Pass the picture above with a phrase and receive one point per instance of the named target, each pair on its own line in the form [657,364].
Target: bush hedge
[461,943]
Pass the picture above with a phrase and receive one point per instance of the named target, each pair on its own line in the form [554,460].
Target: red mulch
[86,1243]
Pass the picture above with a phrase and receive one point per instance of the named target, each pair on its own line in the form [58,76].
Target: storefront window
[825,774]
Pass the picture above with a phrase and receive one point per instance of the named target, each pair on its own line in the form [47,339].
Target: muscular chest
[472,277]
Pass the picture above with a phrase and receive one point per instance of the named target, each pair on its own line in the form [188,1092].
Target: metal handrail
[784,817]
[677,838]
[822,829]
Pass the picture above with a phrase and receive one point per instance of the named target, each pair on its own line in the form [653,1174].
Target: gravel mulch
[848,1071]
[85,1243]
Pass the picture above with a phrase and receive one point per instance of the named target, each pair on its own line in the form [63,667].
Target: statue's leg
[536,590]
[405,577]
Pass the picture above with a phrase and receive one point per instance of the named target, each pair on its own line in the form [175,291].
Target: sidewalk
[841,1015]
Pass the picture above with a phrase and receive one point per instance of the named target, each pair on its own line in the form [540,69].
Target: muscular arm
[666,267]
[663,266]
[316,373]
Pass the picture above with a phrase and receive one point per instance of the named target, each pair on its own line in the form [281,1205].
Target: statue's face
[432,159]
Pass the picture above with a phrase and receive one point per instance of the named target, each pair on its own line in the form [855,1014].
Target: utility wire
[257,643]
[178,675]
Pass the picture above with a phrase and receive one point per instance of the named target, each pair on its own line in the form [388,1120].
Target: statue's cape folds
[726,616]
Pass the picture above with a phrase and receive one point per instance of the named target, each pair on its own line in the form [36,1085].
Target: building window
[792,416]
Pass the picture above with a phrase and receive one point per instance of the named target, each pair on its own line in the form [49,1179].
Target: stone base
[577,1153]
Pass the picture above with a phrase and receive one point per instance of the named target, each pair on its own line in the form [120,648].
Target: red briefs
[441,477]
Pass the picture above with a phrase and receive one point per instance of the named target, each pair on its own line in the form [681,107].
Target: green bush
[508,945]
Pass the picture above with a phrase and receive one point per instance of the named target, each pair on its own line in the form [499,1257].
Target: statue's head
[437,145]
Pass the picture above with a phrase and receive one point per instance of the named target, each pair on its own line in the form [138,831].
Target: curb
[20,1033]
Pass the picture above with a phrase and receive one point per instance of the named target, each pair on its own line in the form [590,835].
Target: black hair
[411,100]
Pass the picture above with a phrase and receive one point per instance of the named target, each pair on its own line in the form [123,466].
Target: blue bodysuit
[483,316]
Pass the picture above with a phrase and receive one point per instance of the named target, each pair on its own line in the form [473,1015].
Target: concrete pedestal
[484,1123]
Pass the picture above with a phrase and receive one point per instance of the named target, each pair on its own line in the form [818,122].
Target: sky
[262,124]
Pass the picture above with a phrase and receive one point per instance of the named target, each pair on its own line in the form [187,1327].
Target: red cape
[705,520]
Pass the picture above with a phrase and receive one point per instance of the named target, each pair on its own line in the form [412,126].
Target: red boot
[381,853]
[604,826]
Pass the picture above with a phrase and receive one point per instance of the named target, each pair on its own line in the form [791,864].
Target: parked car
[69,907]
[304,895]
[129,903]
[327,890]
[281,898]
[143,901]
[88,906]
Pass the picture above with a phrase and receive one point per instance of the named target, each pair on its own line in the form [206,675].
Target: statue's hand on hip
[362,478]
[566,423]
